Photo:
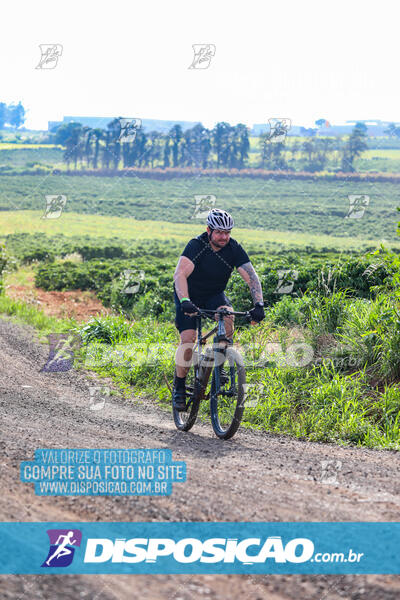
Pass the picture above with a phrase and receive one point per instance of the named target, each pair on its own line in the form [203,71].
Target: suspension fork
[218,350]
[221,336]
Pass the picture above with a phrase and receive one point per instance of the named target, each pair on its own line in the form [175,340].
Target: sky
[301,60]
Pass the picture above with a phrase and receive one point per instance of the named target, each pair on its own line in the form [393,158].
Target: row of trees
[315,153]
[12,114]
[224,146]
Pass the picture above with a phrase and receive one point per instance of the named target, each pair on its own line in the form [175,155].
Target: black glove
[257,313]
[188,307]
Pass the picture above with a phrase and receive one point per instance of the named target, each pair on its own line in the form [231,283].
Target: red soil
[77,304]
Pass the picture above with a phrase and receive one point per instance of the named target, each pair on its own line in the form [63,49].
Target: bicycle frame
[220,330]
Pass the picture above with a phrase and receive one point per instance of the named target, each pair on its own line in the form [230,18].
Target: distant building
[102,122]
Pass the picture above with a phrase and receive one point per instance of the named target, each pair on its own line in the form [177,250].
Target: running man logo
[133,280]
[278,129]
[204,203]
[55,204]
[61,551]
[129,129]
[61,352]
[97,396]
[286,281]
[357,205]
[253,393]
[50,55]
[330,470]
[203,54]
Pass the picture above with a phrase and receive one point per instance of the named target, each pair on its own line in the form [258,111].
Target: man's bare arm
[249,275]
[183,269]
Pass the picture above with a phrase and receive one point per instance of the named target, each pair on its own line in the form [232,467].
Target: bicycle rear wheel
[227,397]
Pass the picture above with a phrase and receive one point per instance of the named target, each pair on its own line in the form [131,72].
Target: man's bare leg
[184,352]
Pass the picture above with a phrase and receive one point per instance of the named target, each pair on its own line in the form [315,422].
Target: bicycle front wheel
[227,394]
[184,420]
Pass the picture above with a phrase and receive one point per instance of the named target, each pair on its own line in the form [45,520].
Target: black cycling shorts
[183,321]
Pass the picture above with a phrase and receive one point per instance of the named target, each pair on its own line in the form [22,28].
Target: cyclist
[200,278]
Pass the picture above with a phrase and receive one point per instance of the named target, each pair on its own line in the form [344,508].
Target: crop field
[316,208]
[382,160]
[129,228]
[23,155]
[383,155]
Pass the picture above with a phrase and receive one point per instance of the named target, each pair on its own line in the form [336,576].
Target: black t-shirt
[211,269]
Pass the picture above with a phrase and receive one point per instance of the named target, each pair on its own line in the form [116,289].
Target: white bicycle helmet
[219,219]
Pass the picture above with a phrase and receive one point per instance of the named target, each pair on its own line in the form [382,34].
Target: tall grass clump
[318,404]
[372,335]
[31,315]
[138,353]
[326,314]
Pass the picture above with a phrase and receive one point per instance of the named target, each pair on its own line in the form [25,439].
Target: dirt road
[253,477]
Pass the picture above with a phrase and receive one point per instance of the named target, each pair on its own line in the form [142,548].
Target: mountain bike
[227,391]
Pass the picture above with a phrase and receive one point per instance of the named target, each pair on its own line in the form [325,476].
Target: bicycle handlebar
[202,313]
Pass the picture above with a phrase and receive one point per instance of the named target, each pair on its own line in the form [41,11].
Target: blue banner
[199,548]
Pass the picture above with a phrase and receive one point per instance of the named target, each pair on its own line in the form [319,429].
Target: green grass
[31,315]
[24,275]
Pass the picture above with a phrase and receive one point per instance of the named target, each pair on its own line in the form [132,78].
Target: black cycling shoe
[179,399]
